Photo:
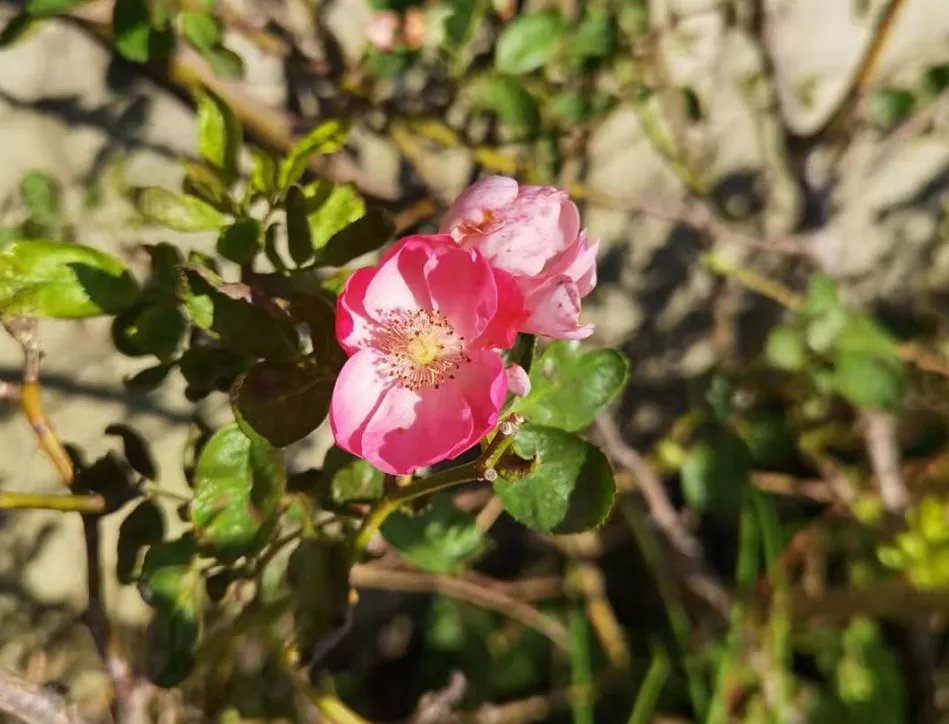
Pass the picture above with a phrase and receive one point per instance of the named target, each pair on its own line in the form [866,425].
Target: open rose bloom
[533,233]
[424,381]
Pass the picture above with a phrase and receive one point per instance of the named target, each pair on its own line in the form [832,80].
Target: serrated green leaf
[238,484]
[143,527]
[299,239]
[201,29]
[177,211]
[328,137]
[869,381]
[441,539]
[572,489]
[350,479]
[243,318]
[570,386]
[220,135]
[527,42]
[338,209]
[241,241]
[715,473]
[785,348]
[56,280]
[283,402]
[367,233]
[506,97]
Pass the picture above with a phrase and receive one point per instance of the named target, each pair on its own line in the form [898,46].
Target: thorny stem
[85,504]
[480,469]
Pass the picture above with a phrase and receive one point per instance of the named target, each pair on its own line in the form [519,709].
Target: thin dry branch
[31,704]
[702,582]
[475,593]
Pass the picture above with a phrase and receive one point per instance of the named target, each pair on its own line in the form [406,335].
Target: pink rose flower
[424,381]
[533,233]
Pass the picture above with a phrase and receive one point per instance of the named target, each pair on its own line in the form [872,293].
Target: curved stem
[86,504]
[480,469]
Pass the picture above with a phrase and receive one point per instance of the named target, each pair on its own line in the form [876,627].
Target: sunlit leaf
[62,281]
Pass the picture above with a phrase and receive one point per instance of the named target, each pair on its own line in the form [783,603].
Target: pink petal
[578,262]
[358,393]
[518,382]
[483,384]
[489,193]
[411,430]
[530,232]
[381,30]
[511,313]
[462,287]
[554,305]
[415,241]
[354,326]
[399,282]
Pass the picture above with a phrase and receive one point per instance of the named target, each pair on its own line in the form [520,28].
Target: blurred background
[783,137]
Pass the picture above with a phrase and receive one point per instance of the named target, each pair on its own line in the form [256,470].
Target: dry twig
[701,581]
[477,594]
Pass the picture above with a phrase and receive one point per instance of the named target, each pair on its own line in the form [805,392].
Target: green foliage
[237,489]
[57,280]
[350,479]
[137,37]
[172,585]
[570,386]
[143,527]
[922,550]
[219,136]
[177,211]
[327,137]
[439,539]
[527,42]
[233,313]
[572,489]
[715,473]
[509,100]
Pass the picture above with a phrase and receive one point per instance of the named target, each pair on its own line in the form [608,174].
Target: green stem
[581,674]
[86,504]
[648,696]
[477,470]
[153,490]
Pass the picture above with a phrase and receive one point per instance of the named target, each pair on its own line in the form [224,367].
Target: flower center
[421,348]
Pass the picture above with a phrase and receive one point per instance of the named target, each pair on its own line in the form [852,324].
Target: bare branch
[700,580]
[477,594]
[438,707]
